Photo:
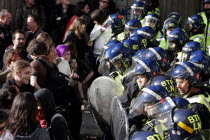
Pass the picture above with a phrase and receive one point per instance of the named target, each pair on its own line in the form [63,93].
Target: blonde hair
[76,26]
[45,37]
[18,66]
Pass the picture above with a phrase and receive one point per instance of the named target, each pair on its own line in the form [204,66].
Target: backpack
[49,129]
[58,83]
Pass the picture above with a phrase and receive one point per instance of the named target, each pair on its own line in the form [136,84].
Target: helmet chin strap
[190,86]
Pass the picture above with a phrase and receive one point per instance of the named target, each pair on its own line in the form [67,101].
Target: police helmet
[141,40]
[206,1]
[189,48]
[196,21]
[146,66]
[176,39]
[152,20]
[111,43]
[186,70]
[117,24]
[169,23]
[132,45]
[175,16]
[147,98]
[163,108]
[119,52]
[138,10]
[165,81]
[202,62]
[131,25]
[183,123]
[159,55]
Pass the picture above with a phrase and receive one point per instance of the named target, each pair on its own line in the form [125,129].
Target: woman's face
[24,75]
[67,56]
[82,29]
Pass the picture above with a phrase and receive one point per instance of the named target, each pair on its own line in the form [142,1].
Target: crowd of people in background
[82,42]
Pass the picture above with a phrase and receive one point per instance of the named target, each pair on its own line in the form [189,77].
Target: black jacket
[23,88]
[57,126]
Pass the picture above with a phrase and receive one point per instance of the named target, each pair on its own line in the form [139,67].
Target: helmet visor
[181,70]
[151,21]
[107,23]
[145,100]
[137,13]
[183,57]
[160,108]
[170,45]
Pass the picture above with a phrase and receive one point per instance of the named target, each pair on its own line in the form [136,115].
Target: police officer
[206,16]
[148,33]
[159,112]
[188,48]
[129,27]
[138,10]
[120,57]
[146,99]
[177,38]
[183,124]
[160,56]
[168,26]
[153,20]
[140,73]
[189,85]
[195,28]
[202,62]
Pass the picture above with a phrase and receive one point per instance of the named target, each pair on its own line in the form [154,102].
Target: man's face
[24,75]
[103,4]
[52,54]
[182,85]
[86,9]
[207,6]
[7,18]
[142,80]
[29,2]
[31,23]
[19,41]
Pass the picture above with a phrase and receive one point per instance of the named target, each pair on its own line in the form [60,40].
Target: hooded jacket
[57,127]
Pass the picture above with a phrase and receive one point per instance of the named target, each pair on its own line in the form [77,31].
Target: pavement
[89,129]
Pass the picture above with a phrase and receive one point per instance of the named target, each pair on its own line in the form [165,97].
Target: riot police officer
[189,85]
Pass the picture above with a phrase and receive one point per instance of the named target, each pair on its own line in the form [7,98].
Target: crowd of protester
[79,43]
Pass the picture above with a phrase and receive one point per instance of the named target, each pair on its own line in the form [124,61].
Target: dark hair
[17,32]
[79,7]
[7,96]
[23,112]
[11,57]
[49,46]
[4,114]
[36,18]
[73,50]
[99,16]
[37,47]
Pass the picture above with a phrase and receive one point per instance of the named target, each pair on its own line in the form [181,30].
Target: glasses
[105,2]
